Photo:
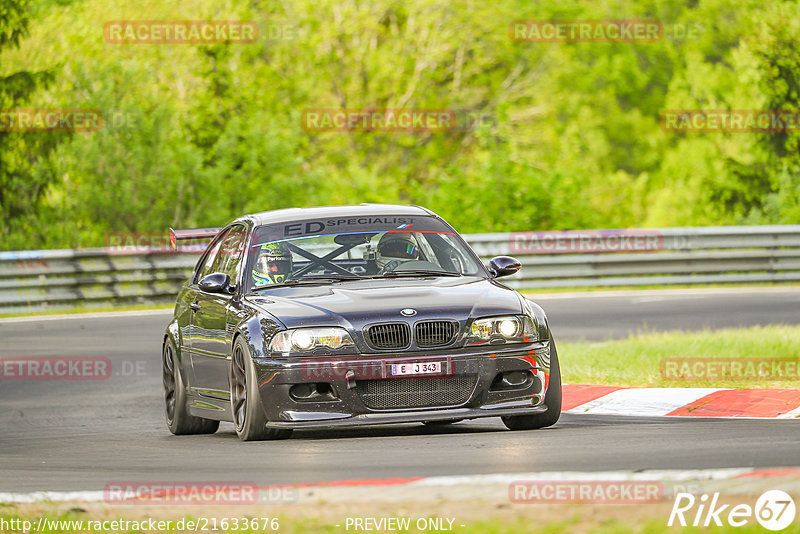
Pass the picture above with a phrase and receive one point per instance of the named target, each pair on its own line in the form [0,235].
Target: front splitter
[301,420]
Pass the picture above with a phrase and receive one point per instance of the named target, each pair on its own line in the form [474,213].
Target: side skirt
[217,410]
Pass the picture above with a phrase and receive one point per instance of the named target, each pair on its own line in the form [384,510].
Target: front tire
[552,400]
[249,417]
[179,421]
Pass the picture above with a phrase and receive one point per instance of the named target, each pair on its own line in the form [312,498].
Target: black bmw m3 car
[352,315]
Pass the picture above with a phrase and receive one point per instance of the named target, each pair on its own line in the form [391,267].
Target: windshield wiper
[308,280]
[414,272]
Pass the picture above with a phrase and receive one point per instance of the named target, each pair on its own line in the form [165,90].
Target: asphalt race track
[82,435]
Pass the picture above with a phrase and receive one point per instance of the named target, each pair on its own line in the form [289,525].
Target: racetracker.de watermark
[585,241]
[586,31]
[196,493]
[55,368]
[385,120]
[730,121]
[50,120]
[133,243]
[699,369]
[180,32]
[585,491]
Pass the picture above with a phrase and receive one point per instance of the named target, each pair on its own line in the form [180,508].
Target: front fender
[257,332]
[540,317]
[173,335]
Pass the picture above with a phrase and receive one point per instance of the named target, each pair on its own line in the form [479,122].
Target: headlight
[511,328]
[508,327]
[305,339]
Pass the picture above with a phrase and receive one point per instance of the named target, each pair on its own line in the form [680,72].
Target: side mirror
[216,283]
[504,266]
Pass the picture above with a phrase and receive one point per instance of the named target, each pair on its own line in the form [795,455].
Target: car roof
[355,210]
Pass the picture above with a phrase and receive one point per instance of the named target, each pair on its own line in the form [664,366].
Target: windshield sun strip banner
[347,226]
[255,245]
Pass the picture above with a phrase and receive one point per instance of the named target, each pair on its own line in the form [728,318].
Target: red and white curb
[731,481]
[686,402]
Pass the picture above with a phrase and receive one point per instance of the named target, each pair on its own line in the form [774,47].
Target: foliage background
[196,135]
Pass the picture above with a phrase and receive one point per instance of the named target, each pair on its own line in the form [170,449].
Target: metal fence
[40,280]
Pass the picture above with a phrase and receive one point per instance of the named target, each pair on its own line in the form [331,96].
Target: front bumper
[346,401]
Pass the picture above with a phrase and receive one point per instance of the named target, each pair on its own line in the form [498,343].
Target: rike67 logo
[774,510]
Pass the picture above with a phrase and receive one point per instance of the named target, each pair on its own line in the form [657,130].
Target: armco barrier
[39,280]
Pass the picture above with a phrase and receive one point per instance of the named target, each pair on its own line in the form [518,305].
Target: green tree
[21,187]
[777,52]
[568,134]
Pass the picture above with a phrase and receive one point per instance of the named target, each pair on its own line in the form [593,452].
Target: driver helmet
[273,265]
[395,248]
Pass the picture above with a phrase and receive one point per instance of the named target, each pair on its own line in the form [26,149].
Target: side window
[229,257]
[208,260]
[450,256]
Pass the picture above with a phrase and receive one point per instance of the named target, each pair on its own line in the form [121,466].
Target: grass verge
[91,309]
[637,360]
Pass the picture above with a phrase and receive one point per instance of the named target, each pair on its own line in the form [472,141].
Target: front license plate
[426,368]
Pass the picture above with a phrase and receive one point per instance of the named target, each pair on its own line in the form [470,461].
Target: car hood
[354,304]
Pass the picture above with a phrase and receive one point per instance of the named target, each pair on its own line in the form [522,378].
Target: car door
[210,357]
[187,305]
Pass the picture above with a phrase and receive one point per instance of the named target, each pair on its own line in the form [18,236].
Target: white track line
[794,414]
[663,475]
[643,401]
[52,496]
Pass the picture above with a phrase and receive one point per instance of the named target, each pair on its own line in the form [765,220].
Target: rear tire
[179,421]
[249,417]
[552,400]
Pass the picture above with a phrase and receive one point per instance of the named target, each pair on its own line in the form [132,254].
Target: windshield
[356,248]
